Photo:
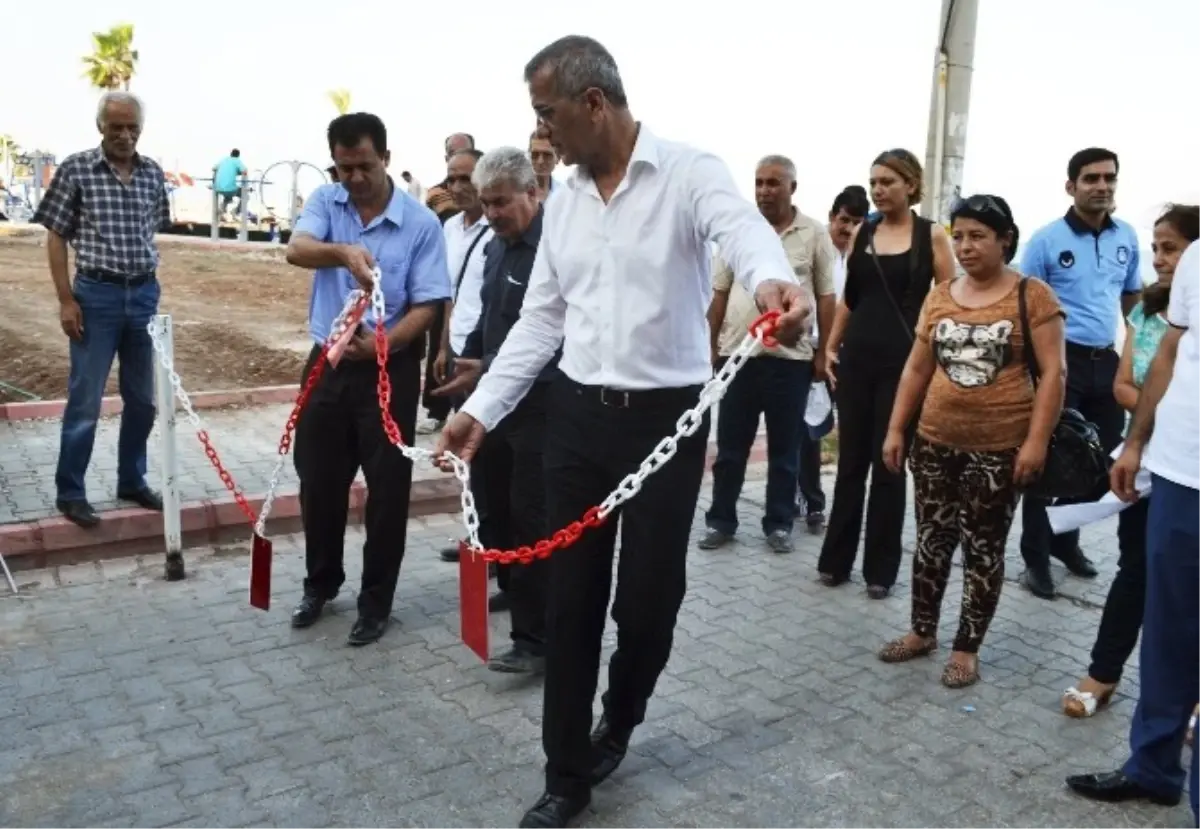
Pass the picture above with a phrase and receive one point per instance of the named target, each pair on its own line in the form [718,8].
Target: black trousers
[438,407]
[1121,621]
[808,479]
[1090,376]
[340,431]
[593,445]
[509,471]
[865,393]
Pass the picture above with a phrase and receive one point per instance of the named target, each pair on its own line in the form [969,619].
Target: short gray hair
[778,161]
[504,164]
[115,96]
[579,63]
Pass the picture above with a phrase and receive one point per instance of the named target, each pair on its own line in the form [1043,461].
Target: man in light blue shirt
[1090,259]
[226,175]
[346,230]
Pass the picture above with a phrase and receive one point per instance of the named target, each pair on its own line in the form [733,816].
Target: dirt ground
[240,319]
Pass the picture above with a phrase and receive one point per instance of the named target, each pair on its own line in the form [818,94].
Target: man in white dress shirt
[467,234]
[622,283]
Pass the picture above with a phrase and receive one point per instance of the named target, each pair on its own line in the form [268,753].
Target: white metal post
[244,209]
[165,397]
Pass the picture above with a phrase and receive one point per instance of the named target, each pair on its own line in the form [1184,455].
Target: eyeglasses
[981,204]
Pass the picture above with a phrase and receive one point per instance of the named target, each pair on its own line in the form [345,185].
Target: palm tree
[8,152]
[340,98]
[113,59]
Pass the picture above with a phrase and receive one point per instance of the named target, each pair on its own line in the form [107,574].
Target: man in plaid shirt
[107,202]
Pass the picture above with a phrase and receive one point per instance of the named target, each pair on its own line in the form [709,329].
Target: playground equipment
[294,192]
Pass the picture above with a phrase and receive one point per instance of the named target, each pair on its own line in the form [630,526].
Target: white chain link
[686,426]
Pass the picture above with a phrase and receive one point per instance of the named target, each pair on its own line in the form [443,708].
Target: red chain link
[767,324]
[285,440]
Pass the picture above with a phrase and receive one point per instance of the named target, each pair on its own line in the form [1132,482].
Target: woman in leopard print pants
[983,430]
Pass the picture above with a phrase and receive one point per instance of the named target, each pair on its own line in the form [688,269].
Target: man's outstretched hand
[792,303]
[463,436]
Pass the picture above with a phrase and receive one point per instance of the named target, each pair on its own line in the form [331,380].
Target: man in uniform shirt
[774,384]
[347,230]
[1090,259]
[509,467]
[621,283]
[107,203]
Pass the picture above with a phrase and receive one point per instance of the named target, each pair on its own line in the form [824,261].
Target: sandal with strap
[958,675]
[1083,704]
[898,650]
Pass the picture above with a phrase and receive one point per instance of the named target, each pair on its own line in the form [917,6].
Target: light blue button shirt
[1089,270]
[406,241]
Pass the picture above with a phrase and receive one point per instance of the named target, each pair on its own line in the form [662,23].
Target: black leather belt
[124,280]
[681,397]
[1090,352]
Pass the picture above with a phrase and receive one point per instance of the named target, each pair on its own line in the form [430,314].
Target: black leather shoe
[174,568]
[499,602]
[608,750]
[449,554]
[366,630]
[554,810]
[1039,582]
[307,611]
[1079,565]
[518,660]
[146,498]
[79,513]
[1115,787]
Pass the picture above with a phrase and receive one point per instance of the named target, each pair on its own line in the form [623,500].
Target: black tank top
[875,331]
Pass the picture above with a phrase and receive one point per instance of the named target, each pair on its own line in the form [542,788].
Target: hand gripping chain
[760,335]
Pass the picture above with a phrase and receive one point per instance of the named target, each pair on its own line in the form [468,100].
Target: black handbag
[1076,463]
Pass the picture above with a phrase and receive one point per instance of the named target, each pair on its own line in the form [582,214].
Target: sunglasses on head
[980,204]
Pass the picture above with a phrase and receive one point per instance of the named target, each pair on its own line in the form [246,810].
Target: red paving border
[135,531]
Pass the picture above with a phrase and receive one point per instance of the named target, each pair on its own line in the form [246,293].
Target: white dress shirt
[624,287]
[467,303]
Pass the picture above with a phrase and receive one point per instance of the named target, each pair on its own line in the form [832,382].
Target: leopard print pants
[966,497]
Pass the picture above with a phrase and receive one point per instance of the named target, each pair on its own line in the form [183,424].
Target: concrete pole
[946,146]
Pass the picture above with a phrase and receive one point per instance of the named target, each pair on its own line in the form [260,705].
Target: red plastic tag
[473,600]
[260,573]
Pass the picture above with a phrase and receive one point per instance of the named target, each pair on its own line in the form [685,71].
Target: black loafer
[367,629]
[1079,565]
[517,660]
[608,750]
[1115,787]
[307,611]
[449,554]
[499,602]
[79,513]
[146,498]
[554,811]
[1039,582]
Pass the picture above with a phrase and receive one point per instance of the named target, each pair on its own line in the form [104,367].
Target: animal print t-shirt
[980,398]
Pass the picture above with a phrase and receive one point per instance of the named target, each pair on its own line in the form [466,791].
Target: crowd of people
[562,327]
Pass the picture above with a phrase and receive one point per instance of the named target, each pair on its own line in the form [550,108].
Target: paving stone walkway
[131,701]
[247,438]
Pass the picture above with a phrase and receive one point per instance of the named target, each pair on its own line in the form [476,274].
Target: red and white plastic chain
[760,335]
[352,312]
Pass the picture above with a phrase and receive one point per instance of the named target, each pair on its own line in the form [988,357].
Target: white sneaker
[429,426]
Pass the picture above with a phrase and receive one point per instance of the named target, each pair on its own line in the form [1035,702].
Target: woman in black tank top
[894,258]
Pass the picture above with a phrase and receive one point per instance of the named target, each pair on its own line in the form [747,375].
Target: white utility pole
[946,146]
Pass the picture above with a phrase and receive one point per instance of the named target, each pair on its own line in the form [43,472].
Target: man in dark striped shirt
[107,202]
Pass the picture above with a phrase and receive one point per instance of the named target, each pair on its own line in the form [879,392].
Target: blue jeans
[777,389]
[114,325]
[1170,656]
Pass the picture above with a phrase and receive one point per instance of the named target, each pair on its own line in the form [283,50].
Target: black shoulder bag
[466,259]
[1076,463]
[918,225]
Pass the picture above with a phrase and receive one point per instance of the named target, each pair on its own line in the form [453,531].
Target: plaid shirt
[110,224]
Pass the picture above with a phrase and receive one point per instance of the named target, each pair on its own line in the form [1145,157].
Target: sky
[828,84]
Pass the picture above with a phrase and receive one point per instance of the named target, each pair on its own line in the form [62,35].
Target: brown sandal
[958,675]
[898,650]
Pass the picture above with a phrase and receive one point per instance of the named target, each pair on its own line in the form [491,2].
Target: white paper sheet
[1070,517]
